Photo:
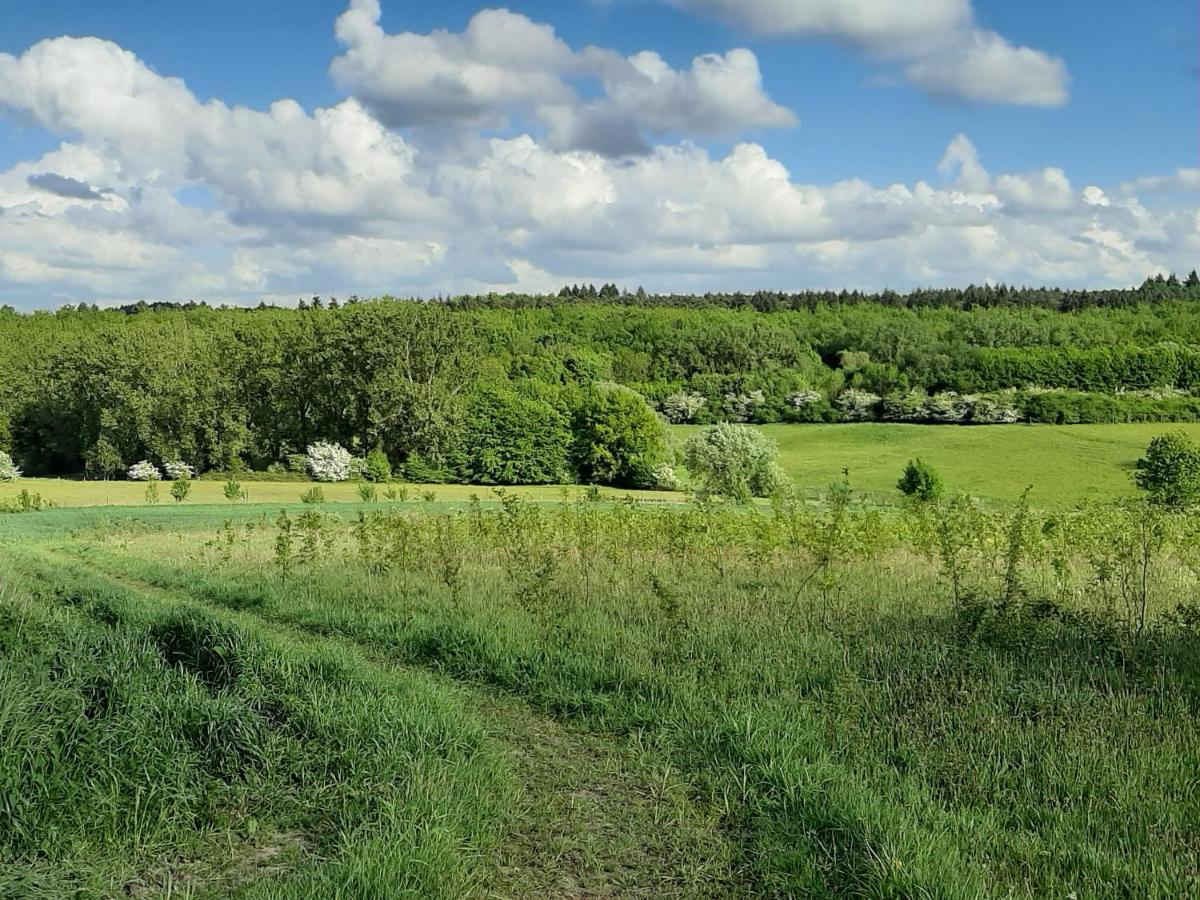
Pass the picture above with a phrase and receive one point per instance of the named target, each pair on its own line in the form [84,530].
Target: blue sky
[1114,100]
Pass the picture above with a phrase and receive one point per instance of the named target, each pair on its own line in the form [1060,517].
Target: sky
[246,150]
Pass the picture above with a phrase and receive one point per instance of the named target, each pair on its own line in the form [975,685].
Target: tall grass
[957,702]
[151,748]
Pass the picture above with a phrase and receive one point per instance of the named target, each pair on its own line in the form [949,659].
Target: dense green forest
[510,388]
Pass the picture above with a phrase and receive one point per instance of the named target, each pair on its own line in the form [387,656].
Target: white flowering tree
[681,407]
[143,471]
[177,469]
[857,406]
[329,462]
[736,461]
[741,407]
[8,469]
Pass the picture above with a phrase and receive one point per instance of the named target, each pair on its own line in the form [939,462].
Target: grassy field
[590,700]
[1065,465]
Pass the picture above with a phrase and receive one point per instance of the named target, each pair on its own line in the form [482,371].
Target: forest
[524,389]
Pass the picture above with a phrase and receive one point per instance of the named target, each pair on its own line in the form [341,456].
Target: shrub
[421,469]
[681,407]
[328,461]
[618,438]
[857,406]
[298,463]
[921,482]
[1170,471]
[368,493]
[177,469]
[151,494]
[313,495]
[8,469]
[143,471]
[664,478]
[511,439]
[741,407]
[234,490]
[181,488]
[103,461]
[735,461]
[377,467]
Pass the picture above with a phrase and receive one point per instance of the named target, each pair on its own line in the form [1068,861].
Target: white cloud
[332,201]
[505,64]
[938,44]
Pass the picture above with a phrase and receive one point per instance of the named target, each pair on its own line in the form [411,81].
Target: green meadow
[598,698]
[1064,464]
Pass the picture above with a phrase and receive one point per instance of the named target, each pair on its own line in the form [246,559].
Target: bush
[297,463]
[329,462]
[8,469]
[103,461]
[511,439]
[377,467]
[921,482]
[1170,471]
[234,490]
[181,488]
[682,407]
[179,469]
[618,438]
[421,469]
[313,495]
[858,406]
[144,471]
[735,461]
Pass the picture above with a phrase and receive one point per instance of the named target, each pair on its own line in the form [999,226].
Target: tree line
[496,391]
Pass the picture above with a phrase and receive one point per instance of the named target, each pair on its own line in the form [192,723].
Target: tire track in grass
[597,816]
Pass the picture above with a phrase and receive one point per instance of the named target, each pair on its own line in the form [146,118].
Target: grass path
[597,816]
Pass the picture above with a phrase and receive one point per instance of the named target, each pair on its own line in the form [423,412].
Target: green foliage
[220,388]
[313,495]
[377,467]
[368,492]
[511,439]
[24,502]
[234,490]
[734,461]
[421,469]
[618,438]
[921,482]
[103,461]
[181,488]
[151,493]
[1170,471]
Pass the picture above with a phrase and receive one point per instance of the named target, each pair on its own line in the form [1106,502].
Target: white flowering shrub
[663,477]
[910,407]
[735,461]
[992,410]
[177,469]
[8,469]
[143,471]
[949,408]
[329,462]
[681,407]
[856,405]
[804,399]
[740,407]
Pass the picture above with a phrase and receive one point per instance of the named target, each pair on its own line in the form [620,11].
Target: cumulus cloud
[938,44]
[333,201]
[504,64]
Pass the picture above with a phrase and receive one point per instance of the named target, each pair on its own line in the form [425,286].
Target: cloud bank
[207,200]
